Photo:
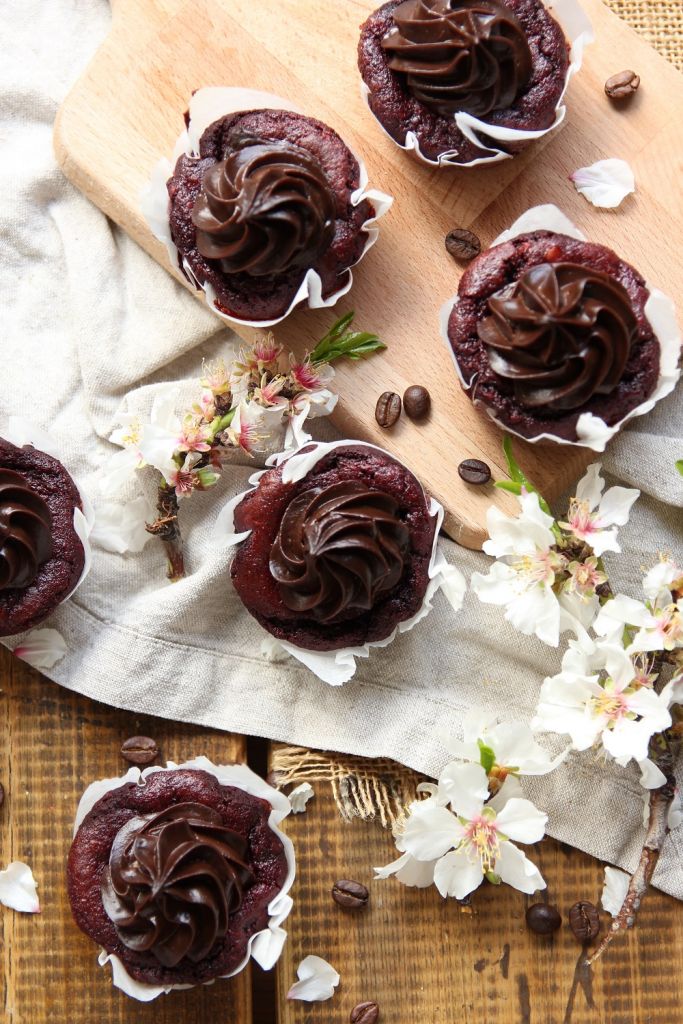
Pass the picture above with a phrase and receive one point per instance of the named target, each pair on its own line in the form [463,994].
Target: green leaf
[487,756]
[341,342]
[679,466]
[517,479]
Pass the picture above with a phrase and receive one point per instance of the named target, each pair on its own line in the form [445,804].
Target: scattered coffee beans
[543,918]
[462,244]
[474,471]
[416,401]
[388,408]
[622,85]
[140,750]
[584,921]
[365,1013]
[349,894]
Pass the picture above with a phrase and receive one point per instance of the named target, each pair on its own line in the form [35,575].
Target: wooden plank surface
[126,112]
[53,743]
[420,957]
[425,961]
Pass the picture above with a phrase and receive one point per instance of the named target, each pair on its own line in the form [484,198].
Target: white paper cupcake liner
[20,432]
[337,667]
[265,946]
[592,432]
[578,31]
[206,106]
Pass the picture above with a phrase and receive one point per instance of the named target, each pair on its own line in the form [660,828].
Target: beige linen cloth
[88,318]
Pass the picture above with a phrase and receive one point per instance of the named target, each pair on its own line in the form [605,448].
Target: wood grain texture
[425,961]
[126,112]
[53,743]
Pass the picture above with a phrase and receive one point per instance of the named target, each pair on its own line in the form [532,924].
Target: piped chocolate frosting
[25,531]
[265,209]
[338,549]
[173,880]
[459,55]
[560,334]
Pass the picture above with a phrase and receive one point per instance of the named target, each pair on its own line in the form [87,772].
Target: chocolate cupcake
[338,551]
[468,81]
[176,871]
[265,208]
[42,534]
[559,338]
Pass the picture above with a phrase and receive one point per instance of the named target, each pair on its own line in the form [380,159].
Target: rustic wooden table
[421,958]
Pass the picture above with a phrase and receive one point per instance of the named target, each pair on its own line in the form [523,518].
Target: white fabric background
[87,318]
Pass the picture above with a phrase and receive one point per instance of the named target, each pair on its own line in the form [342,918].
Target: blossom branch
[661,799]
[167,528]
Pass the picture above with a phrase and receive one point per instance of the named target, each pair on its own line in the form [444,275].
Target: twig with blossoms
[241,407]
[619,690]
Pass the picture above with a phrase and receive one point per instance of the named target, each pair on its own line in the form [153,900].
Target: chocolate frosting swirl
[265,209]
[561,334]
[173,880]
[338,548]
[25,531]
[470,55]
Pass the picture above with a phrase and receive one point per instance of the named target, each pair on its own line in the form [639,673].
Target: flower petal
[590,486]
[18,888]
[605,183]
[300,796]
[522,821]
[41,648]
[515,869]
[456,875]
[419,873]
[430,830]
[616,505]
[317,980]
[465,787]
[614,890]
[121,527]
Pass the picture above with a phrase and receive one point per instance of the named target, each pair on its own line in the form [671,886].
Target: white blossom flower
[662,581]
[307,405]
[605,183]
[471,841]
[614,890]
[502,748]
[317,980]
[122,465]
[243,432]
[593,517]
[18,888]
[300,796]
[659,625]
[596,699]
[523,576]
[41,648]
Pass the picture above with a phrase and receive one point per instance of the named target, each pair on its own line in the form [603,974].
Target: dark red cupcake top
[25,531]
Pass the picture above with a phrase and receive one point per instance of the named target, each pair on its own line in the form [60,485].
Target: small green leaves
[679,466]
[339,342]
[487,756]
[518,481]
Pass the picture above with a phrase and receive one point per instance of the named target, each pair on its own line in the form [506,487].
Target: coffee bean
[365,1013]
[462,244]
[349,894]
[388,408]
[584,921]
[416,401]
[140,750]
[622,85]
[543,918]
[474,471]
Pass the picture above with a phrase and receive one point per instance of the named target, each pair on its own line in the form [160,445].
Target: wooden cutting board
[126,111]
